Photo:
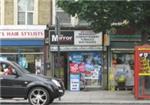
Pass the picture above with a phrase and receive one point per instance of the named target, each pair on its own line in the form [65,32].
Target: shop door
[60,67]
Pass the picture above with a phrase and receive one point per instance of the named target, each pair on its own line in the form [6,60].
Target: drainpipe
[46,49]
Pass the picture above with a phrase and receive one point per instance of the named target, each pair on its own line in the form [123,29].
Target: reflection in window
[25,11]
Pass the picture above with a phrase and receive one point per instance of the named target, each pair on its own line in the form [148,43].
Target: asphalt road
[79,104]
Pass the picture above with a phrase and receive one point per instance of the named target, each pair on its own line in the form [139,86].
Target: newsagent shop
[77,58]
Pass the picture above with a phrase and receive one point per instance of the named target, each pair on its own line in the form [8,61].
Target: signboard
[74,82]
[77,48]
[65,37]
[22,32]
[87,37]
[144,64]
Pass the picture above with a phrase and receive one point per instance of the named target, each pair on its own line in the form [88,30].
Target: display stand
[142,72]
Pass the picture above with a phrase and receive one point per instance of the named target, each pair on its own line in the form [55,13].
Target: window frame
[26,12]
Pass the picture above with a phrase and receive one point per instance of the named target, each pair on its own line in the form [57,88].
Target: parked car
[17,82]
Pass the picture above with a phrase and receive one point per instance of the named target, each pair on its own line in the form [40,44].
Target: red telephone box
[142,72]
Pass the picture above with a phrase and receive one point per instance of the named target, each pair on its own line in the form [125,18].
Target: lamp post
[46,48]
[57,32]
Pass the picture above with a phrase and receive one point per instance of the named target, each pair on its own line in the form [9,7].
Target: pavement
[90,96]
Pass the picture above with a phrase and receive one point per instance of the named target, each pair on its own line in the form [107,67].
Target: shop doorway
[60,67]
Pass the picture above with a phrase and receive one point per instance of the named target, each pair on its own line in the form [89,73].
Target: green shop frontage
[121,71]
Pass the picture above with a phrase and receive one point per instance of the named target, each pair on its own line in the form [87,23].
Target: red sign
[74,68]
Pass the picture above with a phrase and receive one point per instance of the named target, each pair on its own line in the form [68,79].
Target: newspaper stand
[142,72]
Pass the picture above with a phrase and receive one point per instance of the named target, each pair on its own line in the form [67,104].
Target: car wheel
[39,96]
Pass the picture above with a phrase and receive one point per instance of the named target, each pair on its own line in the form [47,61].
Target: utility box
[142,72]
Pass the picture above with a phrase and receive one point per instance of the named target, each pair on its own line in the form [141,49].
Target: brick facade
[44,15]
[43,9]
[9,12]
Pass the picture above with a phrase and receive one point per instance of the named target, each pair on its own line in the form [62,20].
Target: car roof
[4,60]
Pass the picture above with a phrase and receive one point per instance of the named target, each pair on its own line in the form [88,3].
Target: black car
[19,83]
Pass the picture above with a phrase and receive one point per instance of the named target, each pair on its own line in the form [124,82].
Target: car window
[8,69]
[1,69]
[21,68]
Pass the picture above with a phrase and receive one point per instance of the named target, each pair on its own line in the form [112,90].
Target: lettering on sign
[66,37]
[22,34]
[87,37]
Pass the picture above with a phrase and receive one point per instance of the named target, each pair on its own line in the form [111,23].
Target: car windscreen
[21,68]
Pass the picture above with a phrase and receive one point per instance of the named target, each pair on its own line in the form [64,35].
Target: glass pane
[30,5]
[144,85]
[88,66]
[30,18]
[22,5]
[21,18]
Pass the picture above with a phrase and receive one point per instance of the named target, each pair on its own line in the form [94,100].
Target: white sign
[22,32]
[77,48]
[87,37]
[74,82]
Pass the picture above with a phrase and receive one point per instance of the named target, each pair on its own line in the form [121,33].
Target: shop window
[88,66]
[122,67]
[25,11]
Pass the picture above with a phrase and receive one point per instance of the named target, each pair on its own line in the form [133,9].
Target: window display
[88,65]
[122,70]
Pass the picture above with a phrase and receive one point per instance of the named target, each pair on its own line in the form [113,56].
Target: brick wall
[9,11]
[44,12]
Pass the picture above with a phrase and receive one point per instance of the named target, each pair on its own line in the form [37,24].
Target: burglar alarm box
[142,72]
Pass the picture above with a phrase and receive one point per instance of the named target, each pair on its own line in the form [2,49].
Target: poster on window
[144,63]
[74,82]
[88,64]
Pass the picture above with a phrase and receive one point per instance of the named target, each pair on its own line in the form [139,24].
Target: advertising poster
[87,64]
[144,63]
[74,68]
[74,82]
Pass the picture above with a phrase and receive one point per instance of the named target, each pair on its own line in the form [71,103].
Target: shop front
[23,44]
[79,62]
[122,60]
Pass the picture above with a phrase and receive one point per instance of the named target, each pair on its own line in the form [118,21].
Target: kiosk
[142,72]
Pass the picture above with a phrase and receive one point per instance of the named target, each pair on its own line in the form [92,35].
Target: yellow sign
[144,74]
[143,49]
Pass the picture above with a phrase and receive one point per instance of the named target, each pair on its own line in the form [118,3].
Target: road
[78,104]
